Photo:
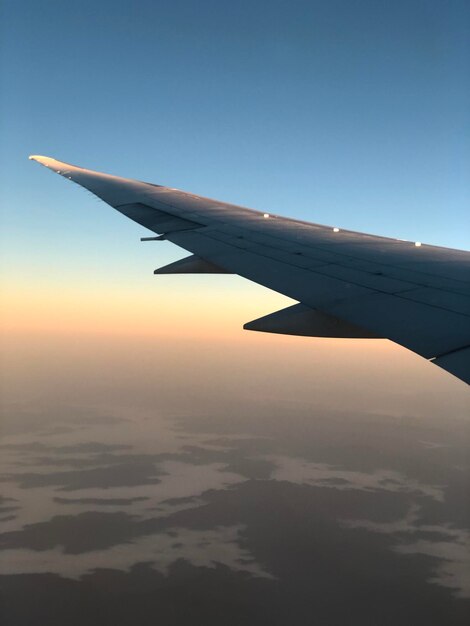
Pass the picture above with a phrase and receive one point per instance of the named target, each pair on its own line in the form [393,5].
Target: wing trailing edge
[456,363]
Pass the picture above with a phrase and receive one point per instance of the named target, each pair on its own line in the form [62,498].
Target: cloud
[449,547]
[201,548]
[302,472]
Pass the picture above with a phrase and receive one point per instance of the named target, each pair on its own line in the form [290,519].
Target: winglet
[49,162]
[43,160]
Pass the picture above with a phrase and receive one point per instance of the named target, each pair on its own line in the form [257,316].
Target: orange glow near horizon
[121,309]
[91,341]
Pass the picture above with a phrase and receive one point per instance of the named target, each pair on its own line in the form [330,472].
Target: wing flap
[457,363]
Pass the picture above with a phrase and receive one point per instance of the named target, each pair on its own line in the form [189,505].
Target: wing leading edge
[347,284]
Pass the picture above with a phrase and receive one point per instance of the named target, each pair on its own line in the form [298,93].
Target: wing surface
[347,284]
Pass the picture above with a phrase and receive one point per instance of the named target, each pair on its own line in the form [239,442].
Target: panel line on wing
[410,287]
[454,285]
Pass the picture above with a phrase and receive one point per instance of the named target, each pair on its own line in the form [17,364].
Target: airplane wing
[347,284]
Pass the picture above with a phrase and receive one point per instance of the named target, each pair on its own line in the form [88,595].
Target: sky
[151,446]
[347,113]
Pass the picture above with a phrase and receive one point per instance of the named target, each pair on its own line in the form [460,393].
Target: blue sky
[353,113]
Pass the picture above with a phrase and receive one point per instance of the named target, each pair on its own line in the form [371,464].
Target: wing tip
[57,166]
[43,160]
